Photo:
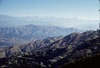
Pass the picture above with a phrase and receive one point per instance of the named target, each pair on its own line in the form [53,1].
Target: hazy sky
[85,9]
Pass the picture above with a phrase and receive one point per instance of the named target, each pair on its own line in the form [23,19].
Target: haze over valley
[11,21]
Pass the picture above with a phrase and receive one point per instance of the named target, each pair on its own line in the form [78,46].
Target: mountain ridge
[71,41]
[21,34]
[48,57]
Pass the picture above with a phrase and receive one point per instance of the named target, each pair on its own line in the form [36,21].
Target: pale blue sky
[85,9]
